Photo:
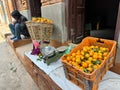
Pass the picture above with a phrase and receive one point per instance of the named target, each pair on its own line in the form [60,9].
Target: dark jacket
[21,20]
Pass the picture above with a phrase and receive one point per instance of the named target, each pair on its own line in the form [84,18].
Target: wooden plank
[15,44]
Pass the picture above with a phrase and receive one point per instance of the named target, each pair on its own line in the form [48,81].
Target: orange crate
[90,81]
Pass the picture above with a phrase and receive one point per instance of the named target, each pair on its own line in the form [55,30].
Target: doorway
[101,17]
[95,18]
[35,8]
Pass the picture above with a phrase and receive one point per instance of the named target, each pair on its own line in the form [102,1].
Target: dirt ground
[13,75]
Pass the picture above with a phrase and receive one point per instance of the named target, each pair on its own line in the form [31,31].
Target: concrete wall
[26,13]
[56,12]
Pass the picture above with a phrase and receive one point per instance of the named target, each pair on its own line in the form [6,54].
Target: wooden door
[35,8]
[117,31]
[7,9]
[75,12]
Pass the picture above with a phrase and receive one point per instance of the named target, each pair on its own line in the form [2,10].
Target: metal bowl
[48,51]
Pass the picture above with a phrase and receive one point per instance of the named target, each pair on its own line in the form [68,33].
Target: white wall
[56,12]
[26,13]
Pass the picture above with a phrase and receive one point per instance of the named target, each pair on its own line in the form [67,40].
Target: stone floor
[13,75]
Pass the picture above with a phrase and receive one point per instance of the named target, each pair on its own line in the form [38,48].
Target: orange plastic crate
[91,81]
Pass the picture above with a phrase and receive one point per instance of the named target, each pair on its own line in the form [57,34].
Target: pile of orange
[42,20]
[88,58]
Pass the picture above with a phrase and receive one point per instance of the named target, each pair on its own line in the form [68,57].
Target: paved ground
[13,75]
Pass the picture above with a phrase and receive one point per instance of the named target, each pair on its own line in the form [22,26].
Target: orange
[103,49]
[99,53]
[82,52]
[34,19]
[92,47]
[73,54]
[96,47]
[95,66]
[81,68]
[90,69]
[88,47]
[73,59]
[105,54]
[91,53]
[78,52]
[74,64]
[70,62]
[90,65]
[98,65]
[95,56]
[78,60]
[82,57]
[100,56]
[87,55]
[95,53]
[84,64]
[88,62]
[90,58]
[77,56]
[85,49]
[68,58]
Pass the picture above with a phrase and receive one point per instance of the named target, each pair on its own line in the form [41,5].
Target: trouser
[16,30]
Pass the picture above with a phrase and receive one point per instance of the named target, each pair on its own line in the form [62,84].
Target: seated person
[18,28]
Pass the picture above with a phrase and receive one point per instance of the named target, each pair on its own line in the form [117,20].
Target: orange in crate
[76,74]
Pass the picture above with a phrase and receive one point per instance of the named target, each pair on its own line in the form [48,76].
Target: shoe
[12,37]
[16,39]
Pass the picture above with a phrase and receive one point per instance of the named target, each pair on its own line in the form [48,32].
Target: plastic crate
[90,81]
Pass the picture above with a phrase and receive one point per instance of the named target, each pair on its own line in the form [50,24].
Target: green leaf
[96,49]
[86,70]
[96,62]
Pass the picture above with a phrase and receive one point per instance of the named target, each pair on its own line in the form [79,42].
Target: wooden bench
[15,44]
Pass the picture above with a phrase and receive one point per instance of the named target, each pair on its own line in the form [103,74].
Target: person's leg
[12,29]
[17,32]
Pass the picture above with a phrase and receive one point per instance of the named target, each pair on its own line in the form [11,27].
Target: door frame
[117,30]
[74,15]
